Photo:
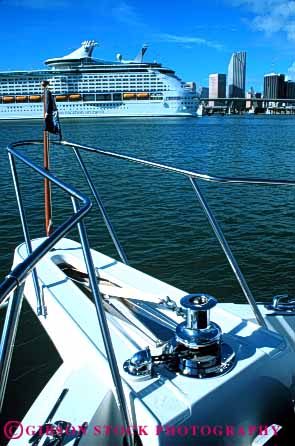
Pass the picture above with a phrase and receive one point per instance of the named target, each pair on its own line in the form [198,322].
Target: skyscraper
[274,86]
[290,89]
[237,75]
[217,87]
[203,92]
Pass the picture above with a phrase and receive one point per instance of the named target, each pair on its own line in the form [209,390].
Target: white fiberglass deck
[169,399]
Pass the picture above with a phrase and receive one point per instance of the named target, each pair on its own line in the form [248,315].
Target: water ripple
[156,215]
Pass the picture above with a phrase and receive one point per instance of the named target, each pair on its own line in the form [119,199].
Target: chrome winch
[196,350]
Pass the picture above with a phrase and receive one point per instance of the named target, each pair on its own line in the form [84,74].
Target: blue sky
[194,37]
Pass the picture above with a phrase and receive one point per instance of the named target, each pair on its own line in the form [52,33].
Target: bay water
[156,215]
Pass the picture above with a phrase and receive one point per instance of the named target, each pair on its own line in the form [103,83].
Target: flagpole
[47,186]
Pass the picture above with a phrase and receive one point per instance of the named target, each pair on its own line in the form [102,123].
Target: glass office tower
[237,75]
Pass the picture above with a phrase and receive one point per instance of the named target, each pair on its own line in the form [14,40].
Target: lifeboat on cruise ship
[35,98]
[75,97]
[129,95]
[21,98]
[143,95]
[61,97]
[8,99]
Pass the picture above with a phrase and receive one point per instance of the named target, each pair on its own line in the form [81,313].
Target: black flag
[52,124]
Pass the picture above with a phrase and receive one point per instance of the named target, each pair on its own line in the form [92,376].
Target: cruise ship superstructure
[87,87]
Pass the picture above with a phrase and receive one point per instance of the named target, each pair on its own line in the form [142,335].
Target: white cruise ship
[87,87]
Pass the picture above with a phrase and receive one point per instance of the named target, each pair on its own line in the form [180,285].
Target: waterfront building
[290,90]
[274,86]
[253,105]
[249,95]
[203,92]
[237,75]
[217,88]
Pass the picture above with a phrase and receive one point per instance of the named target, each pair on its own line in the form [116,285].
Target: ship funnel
[88,46]
[139,57]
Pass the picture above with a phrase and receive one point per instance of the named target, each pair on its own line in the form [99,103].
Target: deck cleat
[139,365]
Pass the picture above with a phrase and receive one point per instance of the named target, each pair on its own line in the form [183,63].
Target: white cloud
[291,72]
[126,13]
[263,6]
[187,40]
[271,16]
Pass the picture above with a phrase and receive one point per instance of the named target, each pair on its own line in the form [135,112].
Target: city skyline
[220,85]
[194,41]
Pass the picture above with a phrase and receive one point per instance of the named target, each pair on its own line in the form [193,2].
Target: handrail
[166,167]
[193,176]
[185,172]
[95,194]
[20,272]
[14,282]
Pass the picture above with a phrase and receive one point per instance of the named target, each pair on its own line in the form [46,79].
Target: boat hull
[80,109]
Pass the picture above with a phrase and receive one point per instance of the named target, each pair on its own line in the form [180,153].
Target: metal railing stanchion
[101,208]
[8,338]
[228,253]
[106,336]
[41,309]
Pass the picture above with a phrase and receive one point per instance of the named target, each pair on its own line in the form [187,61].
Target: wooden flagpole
[47,186]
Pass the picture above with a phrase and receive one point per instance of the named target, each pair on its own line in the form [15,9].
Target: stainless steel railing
[14,282]
[194,177]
